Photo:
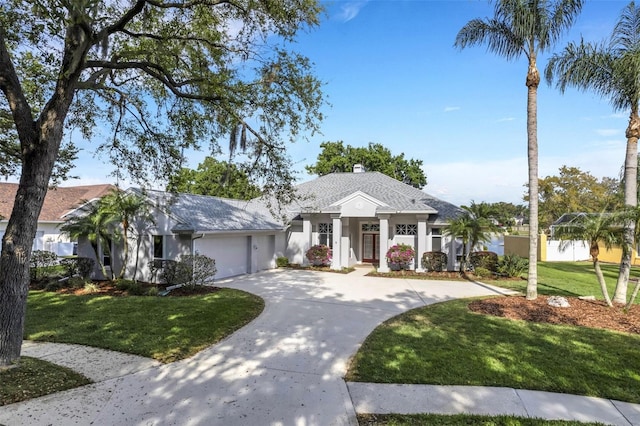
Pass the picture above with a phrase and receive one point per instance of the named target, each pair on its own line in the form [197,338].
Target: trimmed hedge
[434,261]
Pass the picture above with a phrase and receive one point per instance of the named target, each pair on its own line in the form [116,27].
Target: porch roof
[322,194]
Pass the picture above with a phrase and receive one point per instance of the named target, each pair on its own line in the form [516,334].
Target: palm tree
[596,229]
[95,223]
[460,227]
[611,70]
[471,229]
[483,215]
[129,209]
[525,27]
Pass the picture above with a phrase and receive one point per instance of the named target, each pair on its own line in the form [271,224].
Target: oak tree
[149,80]
[335,157]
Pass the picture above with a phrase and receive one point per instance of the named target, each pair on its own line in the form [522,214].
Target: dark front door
[370,247]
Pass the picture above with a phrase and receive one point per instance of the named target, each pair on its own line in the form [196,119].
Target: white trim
[356,195]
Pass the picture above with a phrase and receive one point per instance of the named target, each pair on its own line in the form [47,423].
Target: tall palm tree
[597,229]
[525,27]
[612,70]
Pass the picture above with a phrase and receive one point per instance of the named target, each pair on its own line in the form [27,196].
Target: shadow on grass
[445,344]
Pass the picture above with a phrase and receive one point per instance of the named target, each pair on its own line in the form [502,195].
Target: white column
[451,262]
[429,246]
[336,260]
[346,243]
[422,240]
[306,231]
[384,242]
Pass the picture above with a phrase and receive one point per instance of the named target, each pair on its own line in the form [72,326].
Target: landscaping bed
[586,313]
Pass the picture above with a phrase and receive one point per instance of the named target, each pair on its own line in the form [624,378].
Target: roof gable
[328,191]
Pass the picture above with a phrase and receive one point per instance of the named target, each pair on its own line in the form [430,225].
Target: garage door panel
[230,254]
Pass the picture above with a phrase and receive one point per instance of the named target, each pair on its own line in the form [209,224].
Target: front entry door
[370,247]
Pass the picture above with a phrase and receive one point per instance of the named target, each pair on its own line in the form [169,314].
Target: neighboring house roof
[202,213]
[323,193]
[58,201]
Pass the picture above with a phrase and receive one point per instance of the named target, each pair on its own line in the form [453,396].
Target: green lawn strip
[569,279]
[446,344]
[164,328]
[459,420]
[34,378]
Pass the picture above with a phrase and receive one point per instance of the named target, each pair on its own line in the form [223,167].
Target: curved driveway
[285,368]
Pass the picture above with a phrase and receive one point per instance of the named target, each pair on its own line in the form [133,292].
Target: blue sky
[393,77]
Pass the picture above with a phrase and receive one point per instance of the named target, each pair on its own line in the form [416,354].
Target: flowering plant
[401,254]
[319,254]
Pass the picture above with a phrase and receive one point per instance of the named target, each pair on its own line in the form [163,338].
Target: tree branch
[10,86]
[159,73]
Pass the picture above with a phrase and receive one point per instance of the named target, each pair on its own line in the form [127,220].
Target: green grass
[570,279]
[446,344]
[34,378]
[164,328]
[459,420]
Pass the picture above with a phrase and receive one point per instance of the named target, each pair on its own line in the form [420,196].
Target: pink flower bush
[401,254]
[319,254]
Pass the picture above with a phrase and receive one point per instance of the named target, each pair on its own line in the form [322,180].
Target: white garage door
[230,253]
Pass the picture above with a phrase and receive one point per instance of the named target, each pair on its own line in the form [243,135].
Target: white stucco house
[360,215]
[58,202]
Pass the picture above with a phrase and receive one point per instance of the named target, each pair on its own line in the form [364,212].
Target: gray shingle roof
[201,213]
[321,193]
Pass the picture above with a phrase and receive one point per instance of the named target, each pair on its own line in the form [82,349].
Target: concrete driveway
[285,368]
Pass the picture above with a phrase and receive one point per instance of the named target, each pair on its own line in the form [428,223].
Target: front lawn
[34,378]
[164,328]
[446,344]
[459,420]
[570,279]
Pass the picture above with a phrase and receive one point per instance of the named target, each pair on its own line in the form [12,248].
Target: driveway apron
[284,368]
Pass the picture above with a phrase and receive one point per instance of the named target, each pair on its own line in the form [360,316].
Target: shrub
[483,272]
[124,285]
[512,265]
[85,266]
[282,261]
[173,272]
[54,285]
[153,291]
[401,254]
[200,269]
[41,263]
[135,289]
[76,282]
[70,266]
[434,261]
[319,254]
[91,288]
[484,259]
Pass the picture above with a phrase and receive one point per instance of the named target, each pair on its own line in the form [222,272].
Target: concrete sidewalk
[286,367]
[379,398]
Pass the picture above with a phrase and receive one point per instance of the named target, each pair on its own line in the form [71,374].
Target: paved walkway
[286,367]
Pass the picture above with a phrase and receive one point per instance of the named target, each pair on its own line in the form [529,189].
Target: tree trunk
[602,282]
[533,80]
[39,145]
[17,244]
[633,295]
[631,200]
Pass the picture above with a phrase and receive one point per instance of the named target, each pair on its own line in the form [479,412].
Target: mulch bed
[107,288]
[586,313]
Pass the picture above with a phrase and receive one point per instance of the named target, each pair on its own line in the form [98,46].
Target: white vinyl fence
[568,251]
